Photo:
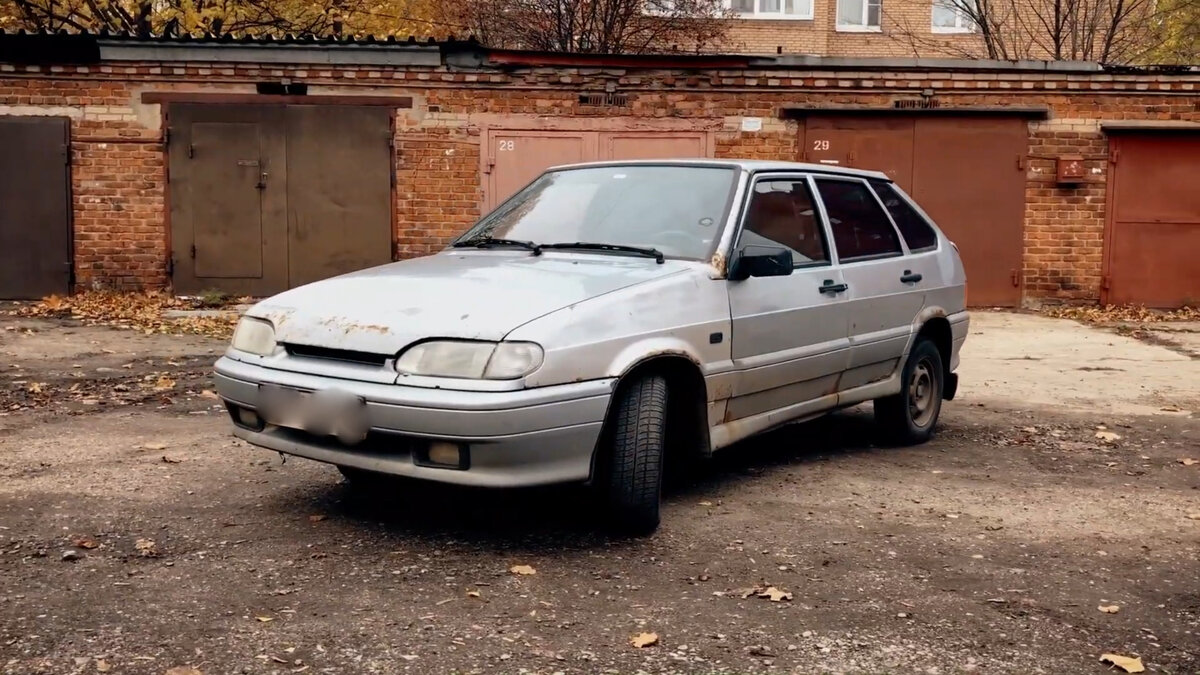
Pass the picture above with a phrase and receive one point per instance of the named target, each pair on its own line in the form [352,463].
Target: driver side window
[781,213]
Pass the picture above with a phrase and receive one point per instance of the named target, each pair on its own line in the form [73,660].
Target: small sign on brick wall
[751,124]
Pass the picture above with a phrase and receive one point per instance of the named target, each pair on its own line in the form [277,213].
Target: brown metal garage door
[965,171]
[35,207]
[515,158]
[1152,248]
[266,198]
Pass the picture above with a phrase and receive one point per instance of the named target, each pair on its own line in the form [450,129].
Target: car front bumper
[511,438]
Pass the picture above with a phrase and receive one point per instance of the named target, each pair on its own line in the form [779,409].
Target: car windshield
[676,210]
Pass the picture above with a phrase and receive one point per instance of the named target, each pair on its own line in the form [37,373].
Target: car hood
[476,295]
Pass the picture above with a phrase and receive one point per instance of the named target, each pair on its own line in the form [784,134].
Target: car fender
[642,351]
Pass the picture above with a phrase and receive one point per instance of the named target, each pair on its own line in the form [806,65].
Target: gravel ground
[137,536]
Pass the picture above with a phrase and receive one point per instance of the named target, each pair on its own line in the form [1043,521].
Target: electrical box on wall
[1070,170]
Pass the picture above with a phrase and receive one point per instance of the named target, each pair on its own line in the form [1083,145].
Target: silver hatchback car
[609,315]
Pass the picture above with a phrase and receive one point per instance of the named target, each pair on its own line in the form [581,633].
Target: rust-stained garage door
[1153,245]
[965,171]
[35,207]
[266,198]
[514,158]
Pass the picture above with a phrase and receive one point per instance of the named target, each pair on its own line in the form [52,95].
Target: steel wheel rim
[922,393]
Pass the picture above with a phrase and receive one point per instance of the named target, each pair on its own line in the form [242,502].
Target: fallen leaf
[775,594]
[316,518]
[473,594]
[1108,436]
[168,460]
[1194,516]
[1188,461]
[163,383]
[264,619]
[644,640]
[1126,663]
[183,670]
[523,570]
[86,542]
[209,393]
[146,547]
[155,446]
[102,666]
[35,387]
[1109,609]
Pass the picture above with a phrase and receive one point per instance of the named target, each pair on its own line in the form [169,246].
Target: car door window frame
[916,210]
[818,215]
[829,224]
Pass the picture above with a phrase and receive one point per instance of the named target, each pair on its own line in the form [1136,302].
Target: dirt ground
[137,536]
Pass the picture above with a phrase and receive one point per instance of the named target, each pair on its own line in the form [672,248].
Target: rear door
[790,340]
[882,300]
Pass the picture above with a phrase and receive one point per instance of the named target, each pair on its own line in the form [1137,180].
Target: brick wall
[905,31]
[118,174]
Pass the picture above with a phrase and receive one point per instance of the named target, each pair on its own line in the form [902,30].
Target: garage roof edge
[1149,125]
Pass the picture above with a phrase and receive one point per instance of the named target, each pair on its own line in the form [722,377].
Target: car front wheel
[632,477]
[908,418]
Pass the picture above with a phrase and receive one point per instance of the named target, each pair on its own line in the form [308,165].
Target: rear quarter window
[916,230]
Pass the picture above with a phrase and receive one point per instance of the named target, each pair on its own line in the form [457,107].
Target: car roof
[751,165]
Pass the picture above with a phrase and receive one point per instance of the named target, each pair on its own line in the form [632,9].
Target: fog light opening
[444,455]
[246,417]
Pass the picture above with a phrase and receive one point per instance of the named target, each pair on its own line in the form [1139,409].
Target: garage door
[965,171]
[266,198]
[35,207]
[1153,244]
[517,157]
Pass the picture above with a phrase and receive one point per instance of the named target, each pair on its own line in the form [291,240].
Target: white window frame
[863,27]
[962,20]
[758,14]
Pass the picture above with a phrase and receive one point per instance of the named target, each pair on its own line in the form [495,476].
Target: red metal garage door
[515,158]
[1152,248]
[965,171]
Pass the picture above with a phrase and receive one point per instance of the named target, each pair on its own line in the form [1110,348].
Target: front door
[883,296]
[790,335]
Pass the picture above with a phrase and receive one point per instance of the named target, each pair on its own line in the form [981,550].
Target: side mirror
[760,261]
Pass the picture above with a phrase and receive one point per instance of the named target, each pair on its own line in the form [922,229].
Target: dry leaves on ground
[1108,436]
[316,518]
[473,594]
[642,640]
[522,570]
[1188,461]
[1109,609]
[136,311]
[1127,663]
[183,670]
[146,548]
[1117,313]
[767,592]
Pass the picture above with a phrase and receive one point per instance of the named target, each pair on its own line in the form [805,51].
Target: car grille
[311,352]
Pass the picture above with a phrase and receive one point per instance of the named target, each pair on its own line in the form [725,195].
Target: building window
[772,9]
[953,16]
[859,15]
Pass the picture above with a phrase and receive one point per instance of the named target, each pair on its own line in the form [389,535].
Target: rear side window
[916,231]
[860,227]
[781,214]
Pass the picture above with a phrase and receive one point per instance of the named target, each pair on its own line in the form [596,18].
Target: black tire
[909,417]
[632,480]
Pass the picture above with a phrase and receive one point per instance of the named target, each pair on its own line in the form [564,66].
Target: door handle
[262,181]
[909,278]
[830,287]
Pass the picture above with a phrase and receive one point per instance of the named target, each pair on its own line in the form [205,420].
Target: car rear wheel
[909,417]
[632,477]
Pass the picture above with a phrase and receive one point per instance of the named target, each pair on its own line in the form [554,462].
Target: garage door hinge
[193,251]
[491,163]
[1105,282]
[171,266]
[1015,278]
[167,136]
[1021,162]
[1113,156]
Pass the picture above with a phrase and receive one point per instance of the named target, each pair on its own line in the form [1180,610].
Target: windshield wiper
[489,242]
[635,250]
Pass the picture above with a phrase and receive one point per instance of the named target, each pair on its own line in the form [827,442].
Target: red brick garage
[452,105]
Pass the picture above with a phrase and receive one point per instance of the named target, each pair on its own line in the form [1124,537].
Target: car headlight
[471,360]
[255,336]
